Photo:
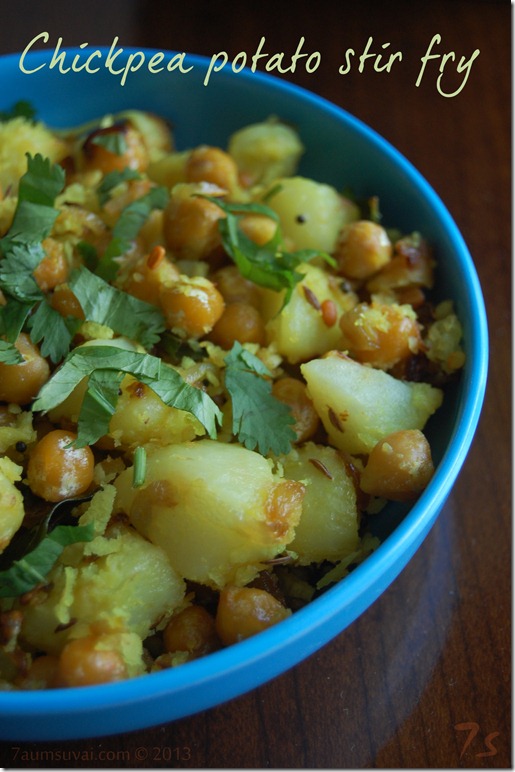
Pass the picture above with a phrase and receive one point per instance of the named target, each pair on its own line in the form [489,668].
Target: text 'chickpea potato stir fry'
[214,373]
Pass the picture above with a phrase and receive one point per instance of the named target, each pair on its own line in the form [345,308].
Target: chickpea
[235,288]
[241,322]
[83,662]
[20,383]
[54,268]
[380,334]
[293,393]
[190,223]
[192,306]
[283,504]
[149,275]
[193,630]
[42,673]
[399,466]
[130,192]
[64,301]
[410,295]
[363,247]
[245,611]
[214,165]
[258,227]
[412,264]
[133,151]
[57,470]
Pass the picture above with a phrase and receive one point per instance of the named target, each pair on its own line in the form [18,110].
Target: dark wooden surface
[434,653]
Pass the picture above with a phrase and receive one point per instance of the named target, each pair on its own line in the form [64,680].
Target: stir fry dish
[214,373]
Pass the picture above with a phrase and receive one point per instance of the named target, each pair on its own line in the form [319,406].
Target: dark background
[434,653]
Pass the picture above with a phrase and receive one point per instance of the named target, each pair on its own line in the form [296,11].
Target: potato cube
[328,527]
[311,213]
[12,510]
[359,405]
[216,509]
[299,331]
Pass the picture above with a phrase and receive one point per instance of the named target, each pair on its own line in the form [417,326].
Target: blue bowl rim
[410,531]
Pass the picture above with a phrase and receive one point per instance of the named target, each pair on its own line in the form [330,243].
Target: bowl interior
[341,151]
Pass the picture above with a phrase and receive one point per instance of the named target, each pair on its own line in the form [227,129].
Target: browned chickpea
[380,334]
[363,247]
[57,470]
[192,630]
[283,503]
[190,224]
[21,382]
[64,301]
[245,611]
[235,288]
[399,466]
[214,165]
[149,276]
[84,662]
[192,306]
[412,264]
[293,393]
[54,268]
[239,322]
[133,151]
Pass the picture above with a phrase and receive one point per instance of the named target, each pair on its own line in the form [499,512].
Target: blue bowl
[341,151]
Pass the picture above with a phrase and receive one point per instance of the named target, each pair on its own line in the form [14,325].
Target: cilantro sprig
[267,265]
[21,252]
[104,368]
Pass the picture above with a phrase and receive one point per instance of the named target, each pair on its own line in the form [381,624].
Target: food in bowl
[214,371]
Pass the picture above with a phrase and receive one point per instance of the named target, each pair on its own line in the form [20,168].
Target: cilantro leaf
[9,354]
[114,142]
[17,271]
[35,215]
[106,364]
[258,418]
[33,568]
[267,265]
[112,180]
[88,254]
[20,109]
[42,182]
[13,316]
[53,331]
[127,228]
[99,403]
[22,250]
[123,313]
